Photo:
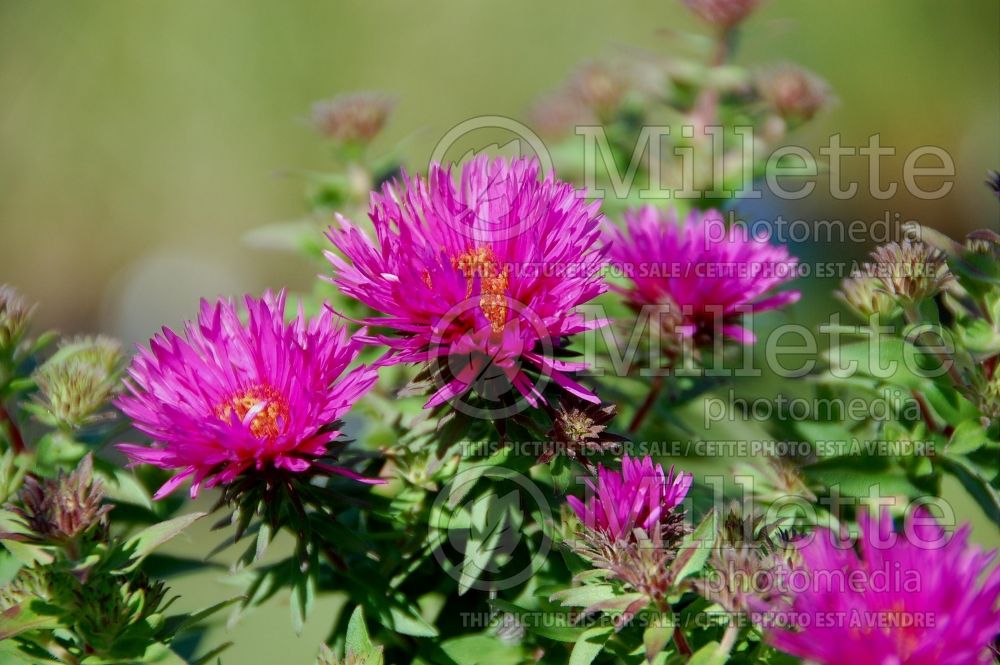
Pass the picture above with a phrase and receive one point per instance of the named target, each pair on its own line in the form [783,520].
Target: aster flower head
[705,275]
[230,397]
[916,597]
[482,278]
[640,496]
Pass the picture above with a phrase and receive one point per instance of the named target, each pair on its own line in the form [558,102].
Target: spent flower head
[580,430]
[748,561]
[355,117]
[910,271]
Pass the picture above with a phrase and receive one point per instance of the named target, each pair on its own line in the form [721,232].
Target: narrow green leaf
[589,645]
[142,544]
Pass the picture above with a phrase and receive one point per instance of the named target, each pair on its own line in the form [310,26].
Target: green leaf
[142,544]
[589,645]
[303,595]
[482,650]
[21,618]
[358,641]
[694,550]
[180,622]
[656,637]
[710,654]
[968,437]
[584,596]
[975,484]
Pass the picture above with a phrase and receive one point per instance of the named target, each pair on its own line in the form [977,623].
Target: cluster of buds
[867,296]
[749,562]
[110,612]
[794,93]
[77,381]
[353,118]
[580,431]
[909,271]
[60,510]
[15,317]
[722,14]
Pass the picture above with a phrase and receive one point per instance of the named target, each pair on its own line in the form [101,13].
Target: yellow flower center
[493,283]
[271,410]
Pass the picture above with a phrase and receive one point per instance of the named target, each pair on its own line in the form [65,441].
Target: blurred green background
[140,140]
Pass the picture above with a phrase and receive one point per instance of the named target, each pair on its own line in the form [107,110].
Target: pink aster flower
[916,597]
[638,496]
[229,396]
[481,278]
[705,275]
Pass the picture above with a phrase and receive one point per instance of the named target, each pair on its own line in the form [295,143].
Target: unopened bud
[722,13]
[796,94]
[58,510]
[15,317]
[77,382]
[866,295]
[599,86]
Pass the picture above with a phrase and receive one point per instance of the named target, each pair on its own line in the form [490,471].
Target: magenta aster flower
[481,278]
[916,597]
[705,275]
[232,396]
[638,496]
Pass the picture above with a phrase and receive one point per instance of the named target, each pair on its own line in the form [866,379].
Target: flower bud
[15,317]
[58,510]
[356,117]
[724,14]
[77,381]
[559,113]
[866,296]
[796,94]
[599,86]
[909,271]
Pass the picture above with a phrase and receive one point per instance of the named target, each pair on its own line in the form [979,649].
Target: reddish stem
[681,642]
[16,440]
[655,388]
